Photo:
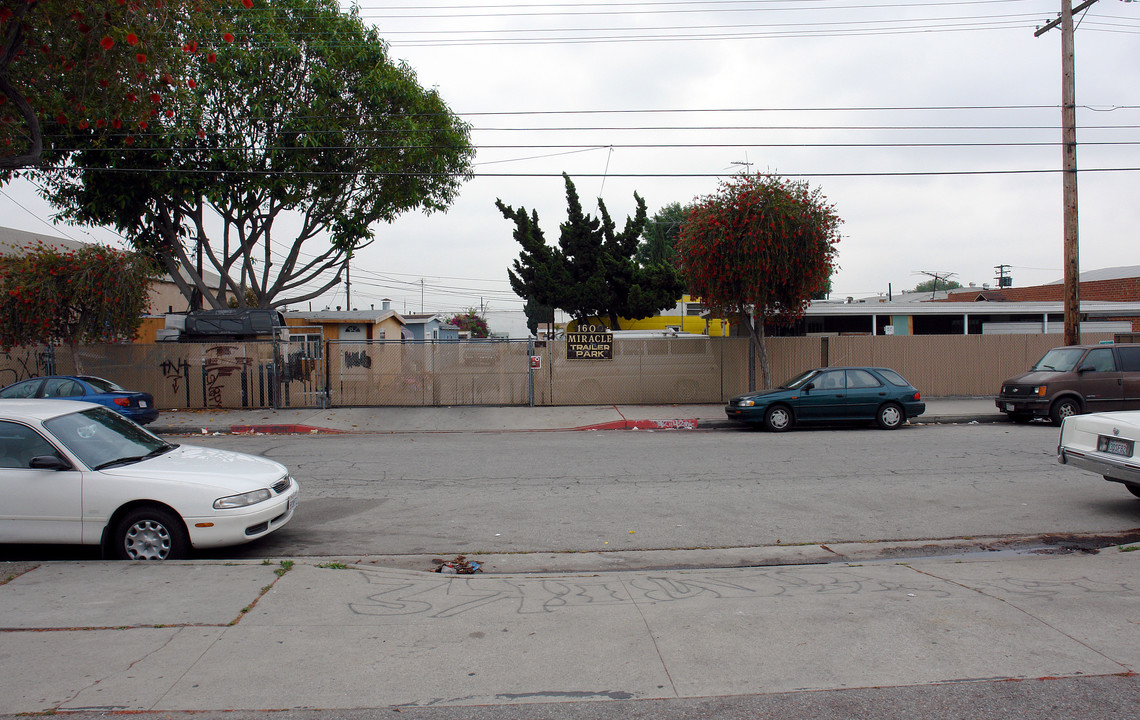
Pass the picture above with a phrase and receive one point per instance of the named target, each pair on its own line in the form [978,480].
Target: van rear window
[1129,358]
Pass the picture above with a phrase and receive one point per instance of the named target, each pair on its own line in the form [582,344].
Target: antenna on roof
[943,276]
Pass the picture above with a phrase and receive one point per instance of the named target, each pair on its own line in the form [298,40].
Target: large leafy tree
[592,272]
[308,120]
[105,66]
[659,237]
[759,248]
[93,294]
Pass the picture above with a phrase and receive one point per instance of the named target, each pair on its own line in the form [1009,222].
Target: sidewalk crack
[1124,666]
[653,639]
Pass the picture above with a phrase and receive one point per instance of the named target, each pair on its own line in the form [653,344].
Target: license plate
[142,403]
[1009,407]
[1114,446]
[292,503]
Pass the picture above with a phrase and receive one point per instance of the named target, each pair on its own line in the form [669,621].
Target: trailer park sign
[590,342]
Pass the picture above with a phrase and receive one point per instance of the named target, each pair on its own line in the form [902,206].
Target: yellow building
[688,316]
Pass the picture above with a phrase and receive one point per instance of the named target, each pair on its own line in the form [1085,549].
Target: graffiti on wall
[219,364]
[23,363]
[176,372]
[359,359]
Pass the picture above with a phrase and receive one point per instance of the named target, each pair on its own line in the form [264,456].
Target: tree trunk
[755,323]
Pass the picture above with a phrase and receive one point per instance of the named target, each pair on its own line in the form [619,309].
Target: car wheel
[1062,409]
[1020,418]
[778,418]
[1134,489]
[150,533]
[890,416]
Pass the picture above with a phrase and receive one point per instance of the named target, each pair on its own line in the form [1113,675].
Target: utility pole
[1003,278]
[1069,165]
[347,284]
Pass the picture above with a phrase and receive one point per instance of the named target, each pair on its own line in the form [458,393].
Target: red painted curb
[643,425]
[281,429]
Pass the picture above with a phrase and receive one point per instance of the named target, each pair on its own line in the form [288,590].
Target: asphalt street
[1011,634]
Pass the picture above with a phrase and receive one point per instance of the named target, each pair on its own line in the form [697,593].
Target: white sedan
[1103,443]
[77,473]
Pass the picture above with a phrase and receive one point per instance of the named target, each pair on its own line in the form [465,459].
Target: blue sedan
[138,406]
[831,395]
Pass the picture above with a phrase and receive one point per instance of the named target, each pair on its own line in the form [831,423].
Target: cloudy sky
[934,128]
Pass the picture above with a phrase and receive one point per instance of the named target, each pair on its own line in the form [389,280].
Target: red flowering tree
[759,248]
[103,66]
[49,296]
[470,321]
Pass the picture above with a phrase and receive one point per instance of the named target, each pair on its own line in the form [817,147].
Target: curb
[649,425]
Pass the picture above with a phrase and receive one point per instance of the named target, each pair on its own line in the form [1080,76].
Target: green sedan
[831,395]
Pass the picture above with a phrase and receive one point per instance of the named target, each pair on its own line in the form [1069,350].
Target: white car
[78,473]
[1103,443]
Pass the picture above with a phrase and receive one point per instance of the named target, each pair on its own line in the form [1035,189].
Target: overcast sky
[933,127]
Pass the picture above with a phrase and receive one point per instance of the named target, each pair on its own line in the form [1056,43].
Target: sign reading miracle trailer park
[590,342]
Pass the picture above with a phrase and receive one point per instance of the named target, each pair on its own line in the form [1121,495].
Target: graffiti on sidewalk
[456,596]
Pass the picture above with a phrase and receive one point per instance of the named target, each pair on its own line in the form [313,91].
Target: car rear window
[102,385]
[893,378]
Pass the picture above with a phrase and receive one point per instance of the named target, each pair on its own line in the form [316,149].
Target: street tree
[592,272]
[759,248]
[660,235]
[310,123]
[93,294]
[537,314]
[105,66]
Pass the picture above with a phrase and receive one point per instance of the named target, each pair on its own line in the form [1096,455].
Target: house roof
[1113,273]
[420,318]
[15,242]
[1091,308]
[371,317]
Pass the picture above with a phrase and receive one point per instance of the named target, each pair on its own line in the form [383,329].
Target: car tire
[890,416]
[150,533]
[778,418]
[1134,489]
[1063,408]
[1020,418]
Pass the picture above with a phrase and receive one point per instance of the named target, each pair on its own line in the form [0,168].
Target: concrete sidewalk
[218,636]
[506,419]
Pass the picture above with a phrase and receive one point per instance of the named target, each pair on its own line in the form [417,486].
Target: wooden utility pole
[1069,166]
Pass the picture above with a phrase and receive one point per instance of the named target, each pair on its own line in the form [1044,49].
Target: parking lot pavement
[312,634]
[505,419]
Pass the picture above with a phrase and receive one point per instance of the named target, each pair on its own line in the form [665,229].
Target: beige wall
[233,375]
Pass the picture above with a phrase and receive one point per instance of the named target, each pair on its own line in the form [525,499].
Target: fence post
[530,371]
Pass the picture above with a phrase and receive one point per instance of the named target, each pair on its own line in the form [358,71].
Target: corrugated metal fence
[642,371]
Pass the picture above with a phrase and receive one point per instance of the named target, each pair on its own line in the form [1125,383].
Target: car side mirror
[809,386]
[1085,368]
[48,462]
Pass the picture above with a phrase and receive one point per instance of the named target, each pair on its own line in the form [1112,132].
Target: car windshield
[799,380]
[101,438]
[102,385]
[1060,359]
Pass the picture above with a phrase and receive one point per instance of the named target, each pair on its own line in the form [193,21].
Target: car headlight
[237,501]
[747,403]
[1041,390]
